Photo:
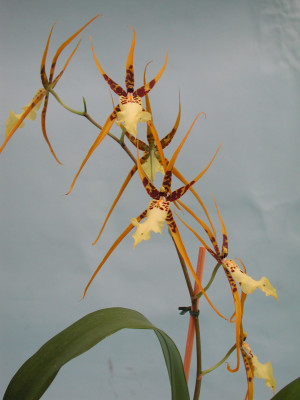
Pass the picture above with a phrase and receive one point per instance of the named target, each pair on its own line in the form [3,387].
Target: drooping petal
[178,241]
[248,285]
[131,112]
[106,127]
[155,219]
[112,248]
[43,124]
[129,176]
[249,373]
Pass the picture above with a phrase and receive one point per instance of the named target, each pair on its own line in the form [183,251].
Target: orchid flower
[153,160]
[255,369]
[159,212]
[15,121]
[233,273]
[129,110]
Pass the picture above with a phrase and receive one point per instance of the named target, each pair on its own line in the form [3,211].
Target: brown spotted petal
[248,284]
[155,219]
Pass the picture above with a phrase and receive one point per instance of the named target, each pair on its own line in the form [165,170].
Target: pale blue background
[239,61]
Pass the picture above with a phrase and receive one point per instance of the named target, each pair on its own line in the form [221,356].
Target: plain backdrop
[239,62]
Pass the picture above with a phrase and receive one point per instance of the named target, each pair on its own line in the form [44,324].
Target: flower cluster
[127,114]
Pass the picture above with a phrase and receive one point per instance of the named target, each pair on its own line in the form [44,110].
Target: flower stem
[194,327]
[211,279]
[89,118]
[221,361]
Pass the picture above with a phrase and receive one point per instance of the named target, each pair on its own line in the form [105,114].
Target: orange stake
[191,330]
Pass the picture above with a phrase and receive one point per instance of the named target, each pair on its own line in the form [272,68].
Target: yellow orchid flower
[15,121]
[261,371]
[158,213]
[129,110]
[14,118]
[153,160]
[248,285]
[232,271]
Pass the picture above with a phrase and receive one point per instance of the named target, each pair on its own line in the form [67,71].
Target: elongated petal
[112,248]
[158,145]
[43,64]
[127,180]
[249,373]
[181,191]
[224,232]
[43,123]
[150,138]
[35,101]
[183,180]
[65,44]
[248,285]
[155,219]
[65,66]
[176,152]
[142,91]
[113,85]
[169,137]
[129,79]
[106,127]
[176,236]
[238,317]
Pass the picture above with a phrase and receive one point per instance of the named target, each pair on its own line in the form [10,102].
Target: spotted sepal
[129,78]
[142,145]
[169,137]
[249,374]
[112,248]
[143,90]
[112,84]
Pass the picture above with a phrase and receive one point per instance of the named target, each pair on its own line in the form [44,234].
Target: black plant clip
[184,310]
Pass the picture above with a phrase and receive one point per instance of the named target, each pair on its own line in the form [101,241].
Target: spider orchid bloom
[233,273]
[15,121]
[153,160]
[129,110]
[159,212]
[14,118]
[256,369]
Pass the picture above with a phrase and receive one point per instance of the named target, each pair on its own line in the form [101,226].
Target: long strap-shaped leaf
[37,373]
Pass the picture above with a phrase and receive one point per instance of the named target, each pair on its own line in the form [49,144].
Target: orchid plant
[41,368]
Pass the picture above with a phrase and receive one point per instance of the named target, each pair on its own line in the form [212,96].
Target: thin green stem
[220,362]
[89,118]
[213,275]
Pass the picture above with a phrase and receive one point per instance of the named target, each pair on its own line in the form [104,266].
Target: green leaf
[36,374]
[289,392]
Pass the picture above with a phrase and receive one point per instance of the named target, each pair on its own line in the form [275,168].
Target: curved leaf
[37,373]
[289,392]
